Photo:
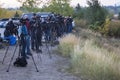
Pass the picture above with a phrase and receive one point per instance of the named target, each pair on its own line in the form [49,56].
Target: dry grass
[67,44]
[97,63]
[89,60]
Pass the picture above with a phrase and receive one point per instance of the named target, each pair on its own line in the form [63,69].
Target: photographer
[28,36]
[10,30]
[38,34]
[23,38]
[32,31]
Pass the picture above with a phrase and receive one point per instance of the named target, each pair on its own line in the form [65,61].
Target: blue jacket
[24,30]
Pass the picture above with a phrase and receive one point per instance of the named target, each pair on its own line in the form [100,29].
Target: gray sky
[103,2]
[14,3]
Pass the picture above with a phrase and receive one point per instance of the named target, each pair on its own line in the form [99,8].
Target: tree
[78,7]
[95,12]
[79,12]
[30,3]
[60,6]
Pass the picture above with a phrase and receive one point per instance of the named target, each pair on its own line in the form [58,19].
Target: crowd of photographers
[32,31]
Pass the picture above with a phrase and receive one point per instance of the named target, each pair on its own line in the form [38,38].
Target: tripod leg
[39,56]
[5,54]
[48,50]
[34,63]
[12,59]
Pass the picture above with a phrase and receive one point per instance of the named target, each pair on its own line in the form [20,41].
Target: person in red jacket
[28,36]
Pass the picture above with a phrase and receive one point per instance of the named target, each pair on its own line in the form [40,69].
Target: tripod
[46,43]
[6,53]
[37,45]
[18,56]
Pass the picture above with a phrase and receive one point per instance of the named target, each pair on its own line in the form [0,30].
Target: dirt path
[49,69]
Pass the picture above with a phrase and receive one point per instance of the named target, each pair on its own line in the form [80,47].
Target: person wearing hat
[23,38]
[38,34]
[10,31]
[28,52]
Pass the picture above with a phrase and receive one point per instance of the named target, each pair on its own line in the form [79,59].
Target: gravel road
[49,69]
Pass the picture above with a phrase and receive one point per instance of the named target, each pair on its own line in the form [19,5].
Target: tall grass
[92,62]
[67,44]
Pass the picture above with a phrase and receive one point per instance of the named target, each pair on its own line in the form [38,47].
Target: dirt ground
[49,69]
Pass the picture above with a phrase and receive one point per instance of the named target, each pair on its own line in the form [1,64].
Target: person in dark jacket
[11,27]
[38,34]
[10,31]
[32,31]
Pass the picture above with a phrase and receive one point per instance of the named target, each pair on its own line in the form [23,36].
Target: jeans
[23,45]
[28,44]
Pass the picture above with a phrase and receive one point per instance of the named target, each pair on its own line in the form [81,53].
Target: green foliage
[59,6]
[26,9]
[30,3]
[95,13]
[79,12]
[94,26]
[56,6]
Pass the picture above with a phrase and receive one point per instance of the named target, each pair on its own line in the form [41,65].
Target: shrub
[94,26]
[105,29]
[114,29]
[81,23]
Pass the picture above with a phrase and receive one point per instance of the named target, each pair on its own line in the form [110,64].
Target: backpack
[20,62]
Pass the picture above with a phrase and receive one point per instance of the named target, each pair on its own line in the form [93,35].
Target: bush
[81,23]
[95,26]
[105,29]
[114,29]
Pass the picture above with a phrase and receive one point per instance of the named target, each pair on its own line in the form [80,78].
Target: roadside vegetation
[94,51]
[88,60]
[4,13]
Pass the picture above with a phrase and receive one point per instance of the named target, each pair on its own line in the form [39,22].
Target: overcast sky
[14,3]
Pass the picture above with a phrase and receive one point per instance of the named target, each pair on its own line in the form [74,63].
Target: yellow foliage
[105,28]
[8,13]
